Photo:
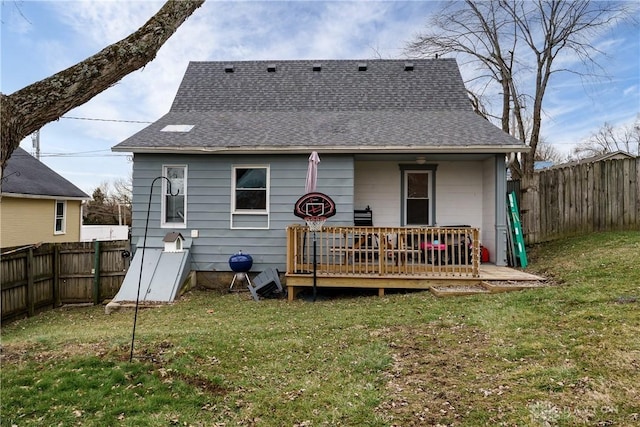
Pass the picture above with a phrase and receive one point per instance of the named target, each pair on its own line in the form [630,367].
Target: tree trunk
[28,109]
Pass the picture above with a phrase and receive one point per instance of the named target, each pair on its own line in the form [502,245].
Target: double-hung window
[60,217]
[250,197]
[174,196]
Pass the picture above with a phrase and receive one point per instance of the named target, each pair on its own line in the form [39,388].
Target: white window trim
[257,212]
[64,217]
[165,185]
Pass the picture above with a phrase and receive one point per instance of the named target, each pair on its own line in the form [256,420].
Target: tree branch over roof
[521,44]
[28,109]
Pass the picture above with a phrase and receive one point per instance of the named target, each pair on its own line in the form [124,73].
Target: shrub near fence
[49,275]
[583,198]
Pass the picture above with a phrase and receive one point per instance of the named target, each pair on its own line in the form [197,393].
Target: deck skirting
[492,278]
[295,282]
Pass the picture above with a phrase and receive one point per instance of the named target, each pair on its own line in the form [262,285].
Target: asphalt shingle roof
[26,175]
[339,107]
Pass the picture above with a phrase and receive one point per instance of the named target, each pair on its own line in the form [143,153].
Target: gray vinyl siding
[209,180]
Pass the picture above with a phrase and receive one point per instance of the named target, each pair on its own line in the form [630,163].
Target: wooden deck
[439,259]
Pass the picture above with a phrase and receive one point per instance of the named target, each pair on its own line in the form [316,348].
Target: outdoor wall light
[421,160]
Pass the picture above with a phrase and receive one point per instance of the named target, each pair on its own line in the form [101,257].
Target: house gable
[339,106]
[339,85]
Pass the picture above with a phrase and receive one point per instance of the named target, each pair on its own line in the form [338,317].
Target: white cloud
[101,23]
[260,30]
[633,90]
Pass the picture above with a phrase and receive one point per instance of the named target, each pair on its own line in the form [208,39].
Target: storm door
[418,197]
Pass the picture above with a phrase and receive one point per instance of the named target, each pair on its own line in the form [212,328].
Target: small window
[60,219]
[174,198]
[250,189]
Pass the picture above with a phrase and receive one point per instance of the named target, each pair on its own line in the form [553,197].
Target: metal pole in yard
[144,243]
[314,266]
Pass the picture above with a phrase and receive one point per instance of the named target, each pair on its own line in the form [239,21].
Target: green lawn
[567,354]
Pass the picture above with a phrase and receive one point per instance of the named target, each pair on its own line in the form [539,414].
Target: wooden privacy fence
[581,198]
[34,278]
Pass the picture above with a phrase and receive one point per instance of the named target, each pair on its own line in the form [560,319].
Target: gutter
[468,149]
[43,196]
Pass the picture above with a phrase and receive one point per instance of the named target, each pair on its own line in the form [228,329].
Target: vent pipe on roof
[408,66]
[362,66]
[228,69]
[271,68]
[317,67]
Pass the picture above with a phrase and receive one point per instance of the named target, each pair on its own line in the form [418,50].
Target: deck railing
[384,251]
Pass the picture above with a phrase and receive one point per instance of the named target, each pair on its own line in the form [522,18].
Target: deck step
[511,285]
[451,291]
[486,287]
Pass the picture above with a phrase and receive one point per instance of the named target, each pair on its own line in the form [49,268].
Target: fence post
[56,276]
[96,272]
[30,284]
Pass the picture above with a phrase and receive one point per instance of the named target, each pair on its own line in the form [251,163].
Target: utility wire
[82,155]
[105,120]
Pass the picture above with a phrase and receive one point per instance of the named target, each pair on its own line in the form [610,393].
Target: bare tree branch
[609,139]
[542,29]
[28,109]
[549,153]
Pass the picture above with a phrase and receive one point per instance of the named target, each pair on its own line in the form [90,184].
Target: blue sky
[39,38]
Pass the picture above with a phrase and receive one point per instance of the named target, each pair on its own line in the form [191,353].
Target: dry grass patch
[437,373]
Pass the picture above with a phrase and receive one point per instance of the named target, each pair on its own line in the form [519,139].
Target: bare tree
[548,153]
[28,109]
[518,44]
[609,139]
[478,32]
[123,190]
[110,203]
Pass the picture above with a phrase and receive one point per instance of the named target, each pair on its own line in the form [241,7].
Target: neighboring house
[399,136]
[615,155]
[37,205]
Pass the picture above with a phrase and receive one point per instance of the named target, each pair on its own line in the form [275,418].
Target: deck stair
[512,285]
[458,290]
[485,287]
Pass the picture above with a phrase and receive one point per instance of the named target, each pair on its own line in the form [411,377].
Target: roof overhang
[469,149]
[43,196]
